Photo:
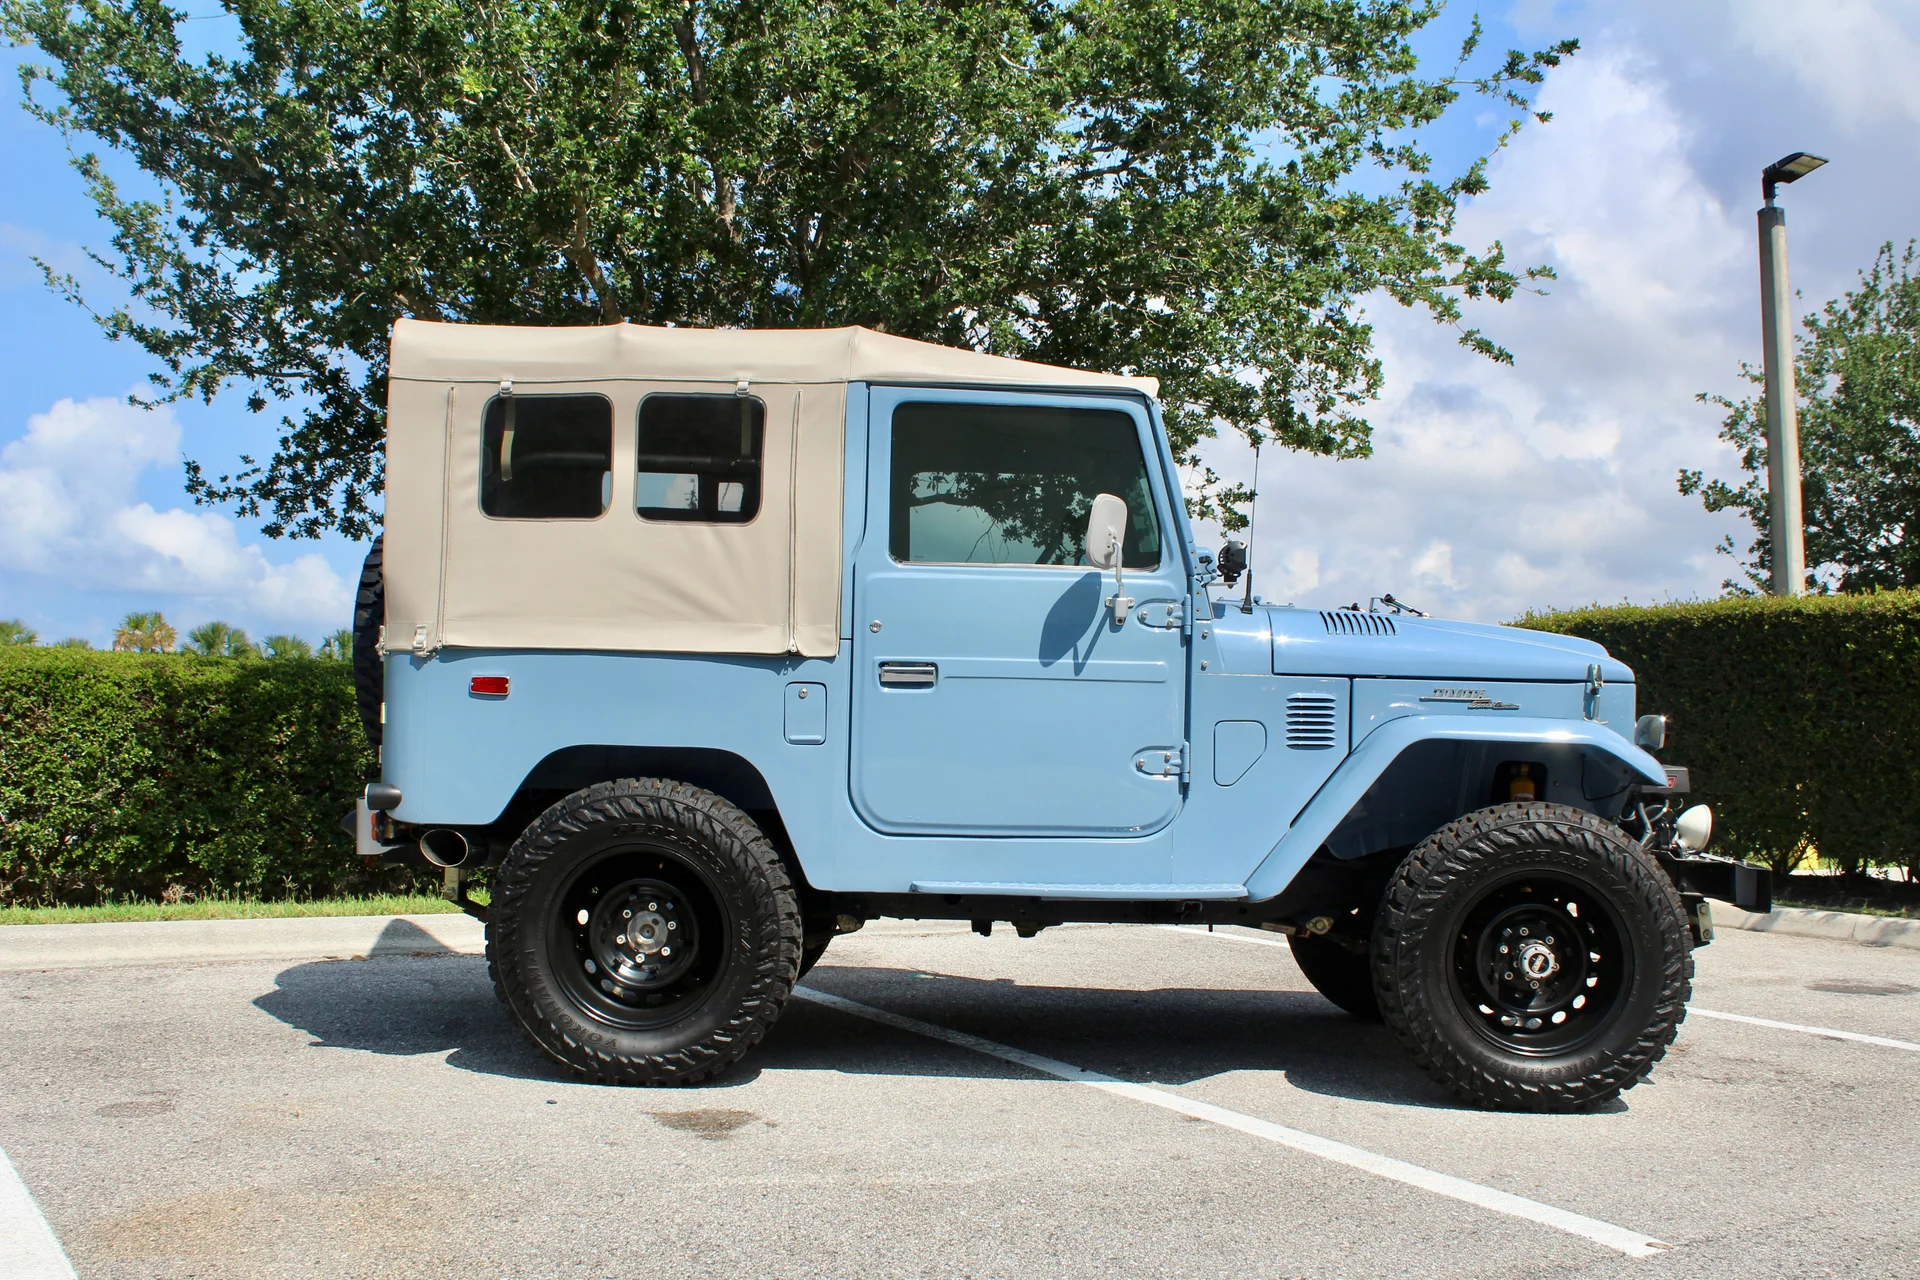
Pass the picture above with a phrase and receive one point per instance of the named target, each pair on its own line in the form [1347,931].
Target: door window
[1013,484]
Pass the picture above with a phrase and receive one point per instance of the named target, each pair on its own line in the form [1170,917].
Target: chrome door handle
[909,675]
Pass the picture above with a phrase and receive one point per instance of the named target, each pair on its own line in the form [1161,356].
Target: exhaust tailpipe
[445,848]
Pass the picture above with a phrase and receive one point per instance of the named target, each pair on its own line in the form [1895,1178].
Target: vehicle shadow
[444,1005]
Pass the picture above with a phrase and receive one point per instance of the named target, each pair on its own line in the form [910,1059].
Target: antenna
[1253,510]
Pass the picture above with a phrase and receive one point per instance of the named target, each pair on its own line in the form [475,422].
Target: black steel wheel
[1531,957]
[644,932]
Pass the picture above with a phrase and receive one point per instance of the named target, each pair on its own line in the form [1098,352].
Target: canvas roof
[431,352]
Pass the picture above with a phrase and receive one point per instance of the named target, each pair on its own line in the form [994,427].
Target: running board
[1086,892]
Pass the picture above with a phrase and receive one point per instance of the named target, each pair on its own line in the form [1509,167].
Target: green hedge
[1800,719]
[141,775]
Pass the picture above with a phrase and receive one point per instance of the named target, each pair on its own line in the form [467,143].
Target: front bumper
[1749,888]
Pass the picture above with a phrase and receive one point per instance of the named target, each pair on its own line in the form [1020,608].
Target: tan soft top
[459,579]
[428,352]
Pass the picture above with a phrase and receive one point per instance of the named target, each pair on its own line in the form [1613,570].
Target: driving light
[1694,828]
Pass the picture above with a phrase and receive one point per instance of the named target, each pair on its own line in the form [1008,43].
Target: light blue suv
[718,644]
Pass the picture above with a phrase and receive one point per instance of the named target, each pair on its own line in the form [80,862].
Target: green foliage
[14,631]
[338,647]
[124,776]
[286,647]
[145,633]
[219,640]
[73,642]
[1129,185]
[1857,372]
[1798,717]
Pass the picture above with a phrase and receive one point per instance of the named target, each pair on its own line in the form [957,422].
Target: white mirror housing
[1106,539]
[1693,830]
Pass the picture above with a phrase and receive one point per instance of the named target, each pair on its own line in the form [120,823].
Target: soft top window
[700,458]
[1013,484]
[547,457]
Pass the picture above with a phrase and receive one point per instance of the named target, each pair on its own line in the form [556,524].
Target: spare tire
[369,616]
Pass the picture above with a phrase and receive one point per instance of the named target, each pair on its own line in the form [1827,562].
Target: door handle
[909,675]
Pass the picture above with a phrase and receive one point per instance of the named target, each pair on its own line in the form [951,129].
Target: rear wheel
[644,932]
[1531,957]
[369,616]
[1339,969]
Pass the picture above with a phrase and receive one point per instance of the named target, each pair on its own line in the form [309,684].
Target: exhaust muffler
[444,847]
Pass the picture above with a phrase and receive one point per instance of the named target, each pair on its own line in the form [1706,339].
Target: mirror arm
[1121,602]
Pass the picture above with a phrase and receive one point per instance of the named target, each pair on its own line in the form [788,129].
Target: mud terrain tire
[1540,892]
[369,615]
[674,862]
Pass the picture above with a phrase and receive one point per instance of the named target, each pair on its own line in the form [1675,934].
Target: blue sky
[1493,489]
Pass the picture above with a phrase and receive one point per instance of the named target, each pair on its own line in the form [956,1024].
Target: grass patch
[392,904]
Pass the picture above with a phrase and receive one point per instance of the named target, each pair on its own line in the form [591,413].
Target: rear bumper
[1749,888]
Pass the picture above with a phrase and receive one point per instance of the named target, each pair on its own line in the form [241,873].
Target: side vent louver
[1345,622]
[1311,722]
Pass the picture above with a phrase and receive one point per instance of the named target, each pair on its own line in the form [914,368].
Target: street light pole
[1786,538]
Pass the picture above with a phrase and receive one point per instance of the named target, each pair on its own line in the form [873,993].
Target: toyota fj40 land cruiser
[717,644]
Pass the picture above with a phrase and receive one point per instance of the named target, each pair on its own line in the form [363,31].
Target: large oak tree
[1202,190]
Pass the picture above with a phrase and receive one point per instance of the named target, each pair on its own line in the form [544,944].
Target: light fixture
[1790,168]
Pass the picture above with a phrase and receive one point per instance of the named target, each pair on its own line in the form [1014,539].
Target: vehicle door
[995,691]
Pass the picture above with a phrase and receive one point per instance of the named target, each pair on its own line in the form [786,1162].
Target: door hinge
[1162,762]
[1165,614]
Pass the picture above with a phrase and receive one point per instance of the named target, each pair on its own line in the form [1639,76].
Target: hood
[1339,642]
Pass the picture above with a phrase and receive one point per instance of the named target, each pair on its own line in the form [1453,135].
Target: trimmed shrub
[1799,718]
[144,775]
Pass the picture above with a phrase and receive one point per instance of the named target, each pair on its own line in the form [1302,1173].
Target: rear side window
[1013,484]
[547,457]
[700,458]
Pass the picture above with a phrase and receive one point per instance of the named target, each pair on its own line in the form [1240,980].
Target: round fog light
[1694,828]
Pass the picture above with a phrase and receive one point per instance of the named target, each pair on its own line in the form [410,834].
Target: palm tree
[72,642]
[13,631]
[145,633]
[287,647]
[338,646]
[219,640]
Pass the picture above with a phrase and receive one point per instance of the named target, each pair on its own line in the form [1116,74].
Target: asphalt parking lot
[381,1118]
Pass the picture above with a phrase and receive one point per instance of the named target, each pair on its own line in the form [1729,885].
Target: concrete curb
[1836,926]
[92,946]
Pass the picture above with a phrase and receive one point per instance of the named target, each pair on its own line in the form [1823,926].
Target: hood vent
[1345,622]
[1311,722]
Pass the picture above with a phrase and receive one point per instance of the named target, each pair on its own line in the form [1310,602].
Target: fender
[1380,748]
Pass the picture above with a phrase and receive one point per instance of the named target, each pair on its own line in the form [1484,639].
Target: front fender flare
[1383,746]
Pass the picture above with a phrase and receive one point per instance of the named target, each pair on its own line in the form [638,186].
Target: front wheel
[644,932]
[1530,957]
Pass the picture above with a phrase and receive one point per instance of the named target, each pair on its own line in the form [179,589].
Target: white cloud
[1495,489]
[69,510]
[1858,55]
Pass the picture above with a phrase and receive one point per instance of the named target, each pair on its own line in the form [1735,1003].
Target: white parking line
[1693,1010]
[1631,1243]
[1827,1032]
[28,1248]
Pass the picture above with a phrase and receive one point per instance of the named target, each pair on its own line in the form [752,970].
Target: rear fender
[1608,765]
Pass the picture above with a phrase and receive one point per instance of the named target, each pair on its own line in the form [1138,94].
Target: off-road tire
[1341,972]
[369,615]
[757,965]
[1430,897]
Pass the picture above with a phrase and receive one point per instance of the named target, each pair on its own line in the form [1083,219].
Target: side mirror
[1232,561]
[1650,732]
[1106,536]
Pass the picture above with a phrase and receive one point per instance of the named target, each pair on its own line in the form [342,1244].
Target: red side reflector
[488,686]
